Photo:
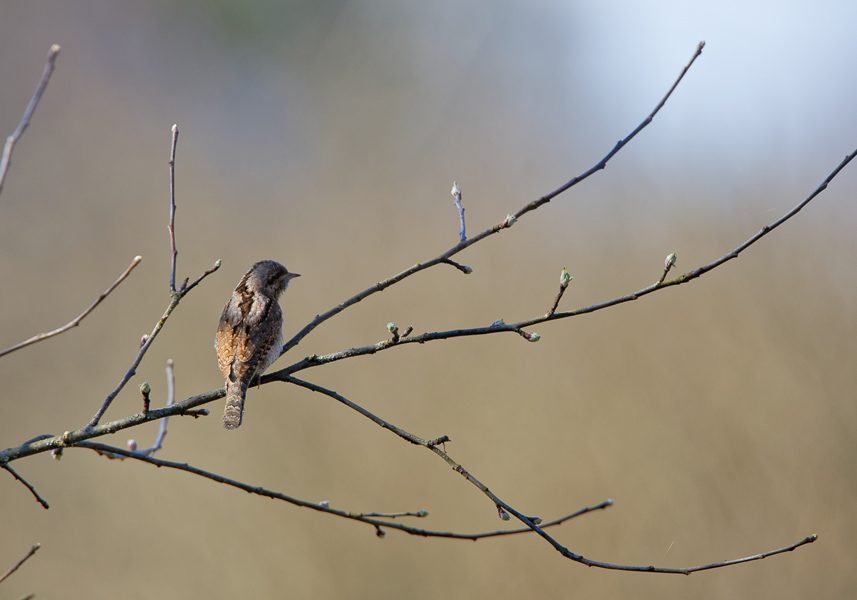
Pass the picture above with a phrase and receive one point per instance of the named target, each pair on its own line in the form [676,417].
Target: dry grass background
[720,416]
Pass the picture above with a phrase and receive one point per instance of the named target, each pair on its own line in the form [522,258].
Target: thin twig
[393,515]
[619,145]
[171,226]
[463,268]
[171,399]
[639,569]
[21,562]
[505,224]
[28,114]
[33,491]
[418,441]
[76,322]
[669,263]
[456,194]
[206,273]
[564,280]
[556,300]
[586,509]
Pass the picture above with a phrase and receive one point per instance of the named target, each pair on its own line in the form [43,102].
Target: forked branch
[505,224]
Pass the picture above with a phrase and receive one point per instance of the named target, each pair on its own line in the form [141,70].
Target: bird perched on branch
[250,333]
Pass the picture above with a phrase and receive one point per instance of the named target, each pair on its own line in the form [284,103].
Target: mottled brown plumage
[250,333]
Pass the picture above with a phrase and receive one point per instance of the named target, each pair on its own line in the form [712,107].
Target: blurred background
[720,416]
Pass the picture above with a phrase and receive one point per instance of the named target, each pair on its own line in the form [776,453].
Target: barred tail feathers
[236,391]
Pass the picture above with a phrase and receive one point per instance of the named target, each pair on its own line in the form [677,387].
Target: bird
[250,333]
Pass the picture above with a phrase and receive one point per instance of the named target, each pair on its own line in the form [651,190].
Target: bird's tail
[236,391]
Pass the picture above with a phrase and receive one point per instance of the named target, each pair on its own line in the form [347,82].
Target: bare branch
[315,360]
[619,145]
[421,514]
[418,441]
[765,230]
[505,224]
[28,114]
[555,522]
[456,194]
[145,389]
[172,223]
[647,569]
[183,408]
[33,491]
[21,562]
[531,522]
[171,399]
[106,450]
[75,322]
[463,268]
[49,443]
[79,438]
[205,274]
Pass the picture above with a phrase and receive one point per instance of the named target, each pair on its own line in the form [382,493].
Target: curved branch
[533,523]
[647,569]
[114,452]
[27,485]
[75,322]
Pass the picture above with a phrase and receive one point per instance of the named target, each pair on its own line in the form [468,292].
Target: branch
[53,442]
[25,120]
[456,194]
[76,322]
[104,449]
[619,145]
[532,523]
[33,491]
[171,226]
[505,224]
[21,562]
[647,569]
[48,443]
[162,430]
[501,327]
